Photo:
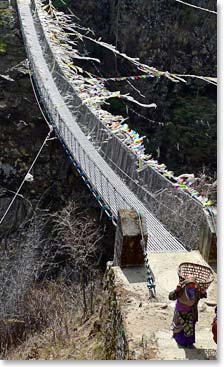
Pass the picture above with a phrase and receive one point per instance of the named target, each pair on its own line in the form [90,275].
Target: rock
[202,308]
[15,216]
[3,105]
[211,303]
[162,306]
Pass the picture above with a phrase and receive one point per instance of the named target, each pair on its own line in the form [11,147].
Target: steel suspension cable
[150,276]
[26,176]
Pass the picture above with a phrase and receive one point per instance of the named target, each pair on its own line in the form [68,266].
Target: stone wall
[112,330]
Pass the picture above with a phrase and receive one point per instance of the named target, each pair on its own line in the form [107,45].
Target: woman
[185,317]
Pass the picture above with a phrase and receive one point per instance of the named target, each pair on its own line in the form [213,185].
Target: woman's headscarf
[190,292]
[188,279]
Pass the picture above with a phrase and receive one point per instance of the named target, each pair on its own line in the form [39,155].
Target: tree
[79,242]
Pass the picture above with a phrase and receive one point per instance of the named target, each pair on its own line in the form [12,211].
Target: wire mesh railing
[175,209]
[99,181]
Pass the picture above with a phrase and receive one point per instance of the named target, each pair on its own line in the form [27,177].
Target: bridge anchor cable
[150,276]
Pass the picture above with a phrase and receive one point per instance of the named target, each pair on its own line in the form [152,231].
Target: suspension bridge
[173,218]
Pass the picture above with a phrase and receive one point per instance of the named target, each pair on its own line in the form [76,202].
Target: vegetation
[61,4]
[2,47]
[55,259]
[53,326]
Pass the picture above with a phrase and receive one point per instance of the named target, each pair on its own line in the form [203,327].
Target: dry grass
[54,327]
[78,345]
[49,285]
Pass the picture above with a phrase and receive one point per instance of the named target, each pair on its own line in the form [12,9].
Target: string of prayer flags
[184,182]
[131,99]
[93,93]
[124,78]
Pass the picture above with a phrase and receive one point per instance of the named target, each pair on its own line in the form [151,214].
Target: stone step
[204,348]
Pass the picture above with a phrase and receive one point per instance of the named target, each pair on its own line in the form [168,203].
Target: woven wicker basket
[203,274]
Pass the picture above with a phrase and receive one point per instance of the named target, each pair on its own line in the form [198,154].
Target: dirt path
[147,323]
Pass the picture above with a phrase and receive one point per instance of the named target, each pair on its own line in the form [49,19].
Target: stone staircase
[204,348]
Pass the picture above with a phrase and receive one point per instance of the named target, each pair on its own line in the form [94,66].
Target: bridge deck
[106,182]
